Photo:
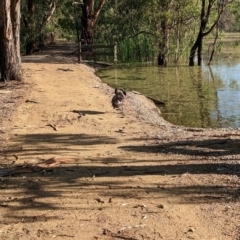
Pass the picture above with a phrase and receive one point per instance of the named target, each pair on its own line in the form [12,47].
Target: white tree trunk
[10,62]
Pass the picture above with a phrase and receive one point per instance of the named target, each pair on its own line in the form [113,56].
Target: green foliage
[140,48]
[135,25]
[62,23]
[66,18]
[233,16]
[33,25]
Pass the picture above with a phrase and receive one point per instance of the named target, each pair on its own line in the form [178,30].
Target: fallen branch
[52,126]
[156,101]
[65,69]
[31,101]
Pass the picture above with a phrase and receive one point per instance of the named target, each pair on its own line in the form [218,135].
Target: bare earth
[72,167]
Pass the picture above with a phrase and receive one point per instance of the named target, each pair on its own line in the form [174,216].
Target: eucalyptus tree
[182,29]
[165,23]
[90,15]
[210,14]
[67,19]
[10,60]
[80,16]
[133,29]
[174,26]
[124,22]
[36,14]
[169,26]
[230,19]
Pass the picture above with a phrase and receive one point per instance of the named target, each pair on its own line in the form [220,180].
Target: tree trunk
[198,46]
[29,24]
[89,18]
[214,45]
[15,15]
[195,47]
[204,18]
[34,23]
[87,21]
[198,43]
[10,60]
[46,20]
[164,40]
[164,45]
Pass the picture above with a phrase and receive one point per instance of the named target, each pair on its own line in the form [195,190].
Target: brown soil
[72,167]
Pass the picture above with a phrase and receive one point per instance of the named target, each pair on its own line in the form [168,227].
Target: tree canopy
[146,30]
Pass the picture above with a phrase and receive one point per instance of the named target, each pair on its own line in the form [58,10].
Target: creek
[207,97]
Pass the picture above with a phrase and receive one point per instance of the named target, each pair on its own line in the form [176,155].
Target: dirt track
[80,170]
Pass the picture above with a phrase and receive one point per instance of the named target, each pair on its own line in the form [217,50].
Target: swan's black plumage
[118,98]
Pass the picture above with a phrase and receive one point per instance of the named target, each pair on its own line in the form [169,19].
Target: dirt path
[86,172]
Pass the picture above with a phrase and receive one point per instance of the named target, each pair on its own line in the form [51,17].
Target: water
[193,96]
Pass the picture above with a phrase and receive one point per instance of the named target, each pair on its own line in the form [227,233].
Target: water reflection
[193,96]
[228,95]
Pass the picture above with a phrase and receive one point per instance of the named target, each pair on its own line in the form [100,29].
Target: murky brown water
[193,96]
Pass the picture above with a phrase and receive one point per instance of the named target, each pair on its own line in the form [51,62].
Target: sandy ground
[72,167]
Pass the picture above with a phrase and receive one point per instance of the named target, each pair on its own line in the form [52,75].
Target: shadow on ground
[34,190]
[207,147]
[94,174]
[38,144]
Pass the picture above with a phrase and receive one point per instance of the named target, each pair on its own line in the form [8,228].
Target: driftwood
[65,69]
[30,101]
[156,101]
[52,126]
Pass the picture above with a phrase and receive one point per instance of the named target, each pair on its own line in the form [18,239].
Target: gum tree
[35,16]
[211,12]
[10,59]
[89,18]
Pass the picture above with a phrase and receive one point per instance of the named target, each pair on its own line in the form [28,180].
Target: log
[156,101]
